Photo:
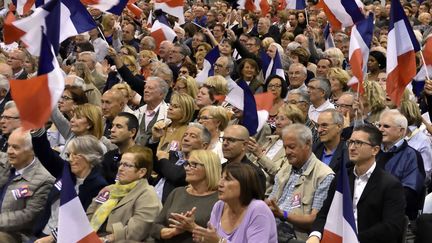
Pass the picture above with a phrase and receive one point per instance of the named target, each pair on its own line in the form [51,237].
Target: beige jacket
[133,216]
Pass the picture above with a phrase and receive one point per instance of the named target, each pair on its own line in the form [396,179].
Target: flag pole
[424,64]
[102,34]
[306,16]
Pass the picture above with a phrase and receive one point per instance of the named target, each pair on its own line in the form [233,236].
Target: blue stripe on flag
[52,21]
[300,4]
[353,10]
[343,187]
[211,57]
[397,14]
[68,192]
[366,28]
[46,56]
[250,115]
[80,17]
[118,9]
[39,3]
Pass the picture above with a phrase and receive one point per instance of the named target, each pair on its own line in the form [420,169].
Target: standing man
[378,200]
[9,121]
[24,188]
[319,90]
[16,62]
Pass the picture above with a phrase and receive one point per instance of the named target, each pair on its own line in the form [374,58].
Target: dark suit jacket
[339,155]
[380,210]
[23,75]
[5,100]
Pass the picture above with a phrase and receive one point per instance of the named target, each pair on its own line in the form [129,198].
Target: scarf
[117,192]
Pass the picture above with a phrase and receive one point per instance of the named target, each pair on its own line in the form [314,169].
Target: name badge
[296,201]
[174,145]
[21,192]
[102,197]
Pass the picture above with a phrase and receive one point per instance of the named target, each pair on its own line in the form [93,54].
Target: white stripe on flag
[72,226]
[399,42]
[339,12]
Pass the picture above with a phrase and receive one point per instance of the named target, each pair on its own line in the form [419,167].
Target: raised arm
[49,159]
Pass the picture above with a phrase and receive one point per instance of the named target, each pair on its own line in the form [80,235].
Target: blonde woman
[93,94]
[219,83]
[215,119]
[335,55]
[169,132]
[145,59]
[186,85]
[338,80]
[373,101]
[190,206]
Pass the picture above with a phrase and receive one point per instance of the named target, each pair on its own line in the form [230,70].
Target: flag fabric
[23,7]
[161,31]
[208,65]
[131,6]
[361,39]
[328,37]
[340,226]
[74,19]
[73,224]
[36,97]
[111,6]
[172,7]
[242,98]
[427,51]
[295,4]
[401,49]
[272,66]
[254,5]
[342,13]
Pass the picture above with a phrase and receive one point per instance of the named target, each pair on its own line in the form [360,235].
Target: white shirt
[149,115]
[314,112]
[359,186]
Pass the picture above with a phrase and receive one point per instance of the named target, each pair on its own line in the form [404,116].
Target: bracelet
[285,215]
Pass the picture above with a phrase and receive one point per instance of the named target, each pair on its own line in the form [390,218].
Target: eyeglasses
[127,165]
[8,117]
[357,143]
[295,102]
[342,106]
[379,125]
[219,65]
[73,155]
[192,164]
[313,88]
[274,86]
[64,97]
[231,140]
[324,125]
[205,118]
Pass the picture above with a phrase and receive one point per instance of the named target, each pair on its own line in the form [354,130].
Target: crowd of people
[158,155]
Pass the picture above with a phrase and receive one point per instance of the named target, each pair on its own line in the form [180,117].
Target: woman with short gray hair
[84,156]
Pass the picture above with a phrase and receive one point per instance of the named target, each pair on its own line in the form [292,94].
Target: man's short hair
[324,84]
[337,117]
[397,117]
[163,85]
[302,133]
[375,136]
[205,134]
[304,96]
[132,121]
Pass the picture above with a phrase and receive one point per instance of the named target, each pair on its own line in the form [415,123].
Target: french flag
[172,7]
[272,66]
[208,65]
[342,13]
[74,19]
[255,114]
[254,5]
[73,224]
[401,50]
[111,6]
[361,39]
[340,225]
[295,4]
[161,31]
[328,37]
[23,7]
[427,54]
[36,97]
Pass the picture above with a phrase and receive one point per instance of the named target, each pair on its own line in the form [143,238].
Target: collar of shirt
[303,168]
[21,171]
[367,175]
[19,73]
[152,112]
[322,107]
[394,147]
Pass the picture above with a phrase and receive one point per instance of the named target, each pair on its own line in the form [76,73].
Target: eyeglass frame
[359,143]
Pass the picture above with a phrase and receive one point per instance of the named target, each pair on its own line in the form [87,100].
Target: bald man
[113,102]
[16,62]
[234,147]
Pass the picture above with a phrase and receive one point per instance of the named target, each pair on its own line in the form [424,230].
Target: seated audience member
[169,165]
[300,186]
[9,121]
[401,160]
[331,149]
[168,133]
[234,147]
[25,185]
[206,96]
[85,153]
[278,87]
[186,85]
[240,215]
[126,210]
[190,206]
[270,156]
[215,119]
[377,196]
[123,133]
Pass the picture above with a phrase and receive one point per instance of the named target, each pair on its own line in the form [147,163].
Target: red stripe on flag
[90,238]
[356,63]
[249,5]
[330,237]
[10,32]
[28,6]
[33,100]
[159,36]
[265,7]
[264,101]
[401,76]
[334,22]
[134,9]
[89,2]
[171,3]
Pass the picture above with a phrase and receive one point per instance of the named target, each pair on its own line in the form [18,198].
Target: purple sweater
[258,224]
